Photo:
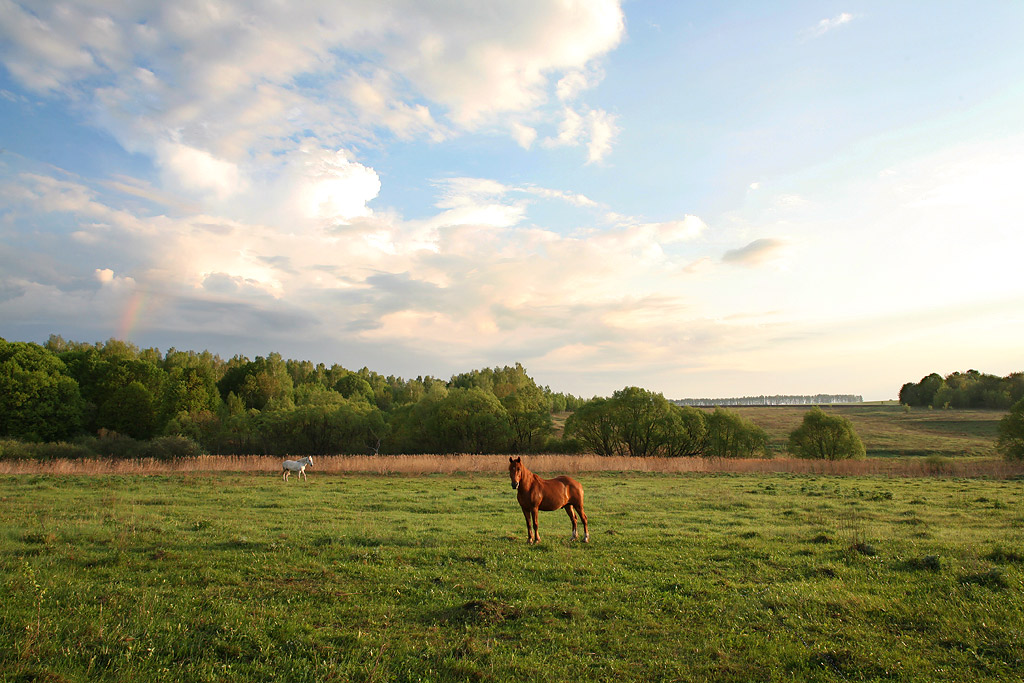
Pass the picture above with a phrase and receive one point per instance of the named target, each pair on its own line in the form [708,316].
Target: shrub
[20,450]
[170,448]
[1011,433]
[60,450]
[569,446]
[110,444]
[12,449]
[732,436]
[825,437]
[938,464]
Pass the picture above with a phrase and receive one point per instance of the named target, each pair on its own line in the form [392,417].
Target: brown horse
[536,494]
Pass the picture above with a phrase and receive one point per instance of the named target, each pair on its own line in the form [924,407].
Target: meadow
[689,576]
[892,430]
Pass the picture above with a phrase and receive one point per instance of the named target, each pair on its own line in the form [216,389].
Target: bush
[730,435]
[170,448]
[1011,433]
[60,450]
[568,446]
[12,449]
[110,444]
[825,437]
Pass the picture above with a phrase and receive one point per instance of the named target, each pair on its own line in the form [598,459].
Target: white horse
[299,466]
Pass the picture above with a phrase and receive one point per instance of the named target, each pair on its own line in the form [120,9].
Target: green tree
[204,427]
[643,420]
[685,432]
[1011,433]
[923,393]
[190,389]
[130,410]
[528,409]
[259,383]
[730,435]
[38,400]
[594,425]
[639,423]
[470,421]
[354,386]
[104,372]
[351,426]
[825,437]
[412,425]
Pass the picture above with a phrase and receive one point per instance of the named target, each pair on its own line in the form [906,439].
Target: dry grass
[546,465]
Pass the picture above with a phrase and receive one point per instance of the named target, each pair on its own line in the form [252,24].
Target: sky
[702,199]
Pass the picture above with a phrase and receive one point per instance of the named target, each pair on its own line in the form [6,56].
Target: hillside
[890,430]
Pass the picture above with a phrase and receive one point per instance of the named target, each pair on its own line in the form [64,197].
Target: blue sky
[703,199]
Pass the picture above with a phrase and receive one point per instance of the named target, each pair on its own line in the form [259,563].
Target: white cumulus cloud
[199,171]
[826,25]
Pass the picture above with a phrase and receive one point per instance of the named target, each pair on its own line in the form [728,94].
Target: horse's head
[515,470]
[310,459]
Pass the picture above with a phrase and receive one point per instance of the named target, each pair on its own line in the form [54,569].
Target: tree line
[776,400]
[115,399]
[971,389]
[640,423]
[108,394]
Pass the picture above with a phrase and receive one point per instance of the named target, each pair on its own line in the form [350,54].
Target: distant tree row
[779,400]
[636,422]
[971,389]
[64,390]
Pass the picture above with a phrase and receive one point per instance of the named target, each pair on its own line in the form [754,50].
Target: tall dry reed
[545,465]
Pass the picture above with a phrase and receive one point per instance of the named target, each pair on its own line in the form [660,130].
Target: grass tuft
[991,578]
[863,548]
[1001,555]
[931,563]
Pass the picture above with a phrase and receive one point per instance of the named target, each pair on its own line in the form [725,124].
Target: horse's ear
[511,459]
[519,459]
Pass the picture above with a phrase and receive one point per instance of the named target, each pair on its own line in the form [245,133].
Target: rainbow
[131,314]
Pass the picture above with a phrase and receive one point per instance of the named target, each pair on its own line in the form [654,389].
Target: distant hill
[817,399]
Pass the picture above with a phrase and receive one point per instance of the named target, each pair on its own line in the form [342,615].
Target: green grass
[890,430]
[238,577]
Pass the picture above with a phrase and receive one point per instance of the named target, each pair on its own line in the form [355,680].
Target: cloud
[826,25]
[756,253]
[479,61]
[37,52]
[571,85]
[523,134]
[231,79]
[333,188]
[474,275]
[602,132]
[199,171]
[594,128]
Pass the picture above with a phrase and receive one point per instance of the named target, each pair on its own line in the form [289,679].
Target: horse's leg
[536,536]
[529,532]
[285,475]
[572,516]
[586,532]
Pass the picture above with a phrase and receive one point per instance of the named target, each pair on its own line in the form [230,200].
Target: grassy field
[689,576]
[890,430]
